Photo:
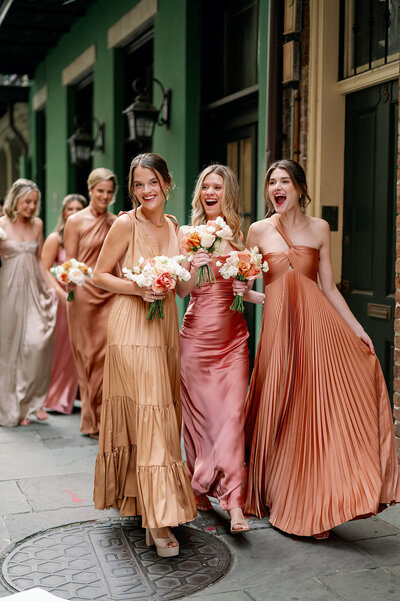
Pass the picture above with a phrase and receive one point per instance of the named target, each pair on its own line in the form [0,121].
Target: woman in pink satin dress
[214,361]
[64,378]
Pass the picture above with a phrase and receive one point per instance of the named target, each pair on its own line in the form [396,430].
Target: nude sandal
[162,544]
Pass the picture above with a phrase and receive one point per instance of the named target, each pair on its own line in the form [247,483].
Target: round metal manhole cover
[111,561]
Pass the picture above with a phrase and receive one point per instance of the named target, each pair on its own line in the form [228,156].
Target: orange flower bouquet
[160,274]
[211,237]
[72,272]
[242,265]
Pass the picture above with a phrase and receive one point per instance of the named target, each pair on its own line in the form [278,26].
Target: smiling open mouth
[280,199]
[211,203]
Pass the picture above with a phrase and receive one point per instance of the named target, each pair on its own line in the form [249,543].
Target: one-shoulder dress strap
[281,229]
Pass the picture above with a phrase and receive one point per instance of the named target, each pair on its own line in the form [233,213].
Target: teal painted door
[369,235]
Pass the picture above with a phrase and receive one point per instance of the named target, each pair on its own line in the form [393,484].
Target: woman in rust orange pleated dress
[84,235]
[319,431]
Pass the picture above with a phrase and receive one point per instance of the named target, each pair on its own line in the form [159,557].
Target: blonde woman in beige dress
[27,309]
[139,468]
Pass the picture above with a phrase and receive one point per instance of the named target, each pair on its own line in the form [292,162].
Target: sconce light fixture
[142,115]
[81,143]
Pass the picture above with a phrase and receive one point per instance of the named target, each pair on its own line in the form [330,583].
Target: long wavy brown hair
[230,202]
[157,165]
[298,177]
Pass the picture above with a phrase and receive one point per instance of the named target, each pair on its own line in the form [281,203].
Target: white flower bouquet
[211,237]
[160,274]
[242,265]
[72,272]
[3,235]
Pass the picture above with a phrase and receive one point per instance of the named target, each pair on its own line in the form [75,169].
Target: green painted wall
[176,65]
[262,121]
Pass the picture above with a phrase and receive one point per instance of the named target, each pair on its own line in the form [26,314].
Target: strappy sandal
[162,543]
[241,522]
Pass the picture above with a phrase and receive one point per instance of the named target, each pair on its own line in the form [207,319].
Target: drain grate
[111,561]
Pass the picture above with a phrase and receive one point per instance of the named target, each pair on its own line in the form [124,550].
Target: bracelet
[263,300]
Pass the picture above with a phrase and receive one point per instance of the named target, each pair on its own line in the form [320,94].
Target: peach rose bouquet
[72,272]
[211,237]
[242,265]
[160,274]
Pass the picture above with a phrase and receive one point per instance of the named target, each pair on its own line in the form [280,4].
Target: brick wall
[396,382]
[301,88]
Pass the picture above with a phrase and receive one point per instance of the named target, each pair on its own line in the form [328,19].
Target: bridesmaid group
[310,442]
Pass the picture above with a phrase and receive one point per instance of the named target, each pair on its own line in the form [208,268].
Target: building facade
[251,81]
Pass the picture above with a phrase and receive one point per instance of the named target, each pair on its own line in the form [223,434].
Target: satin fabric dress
[64,379]
[214,379]
[27,321]
[139,467]
[87,324]
[319,430]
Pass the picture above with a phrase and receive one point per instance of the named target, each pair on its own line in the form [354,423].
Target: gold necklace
[155,224]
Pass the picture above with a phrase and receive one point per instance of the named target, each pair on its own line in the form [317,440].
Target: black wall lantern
[143,115]
[81,143]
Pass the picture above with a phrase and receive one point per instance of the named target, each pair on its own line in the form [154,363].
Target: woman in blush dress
[139,468]
[319,430]
[27,309]
[64,379]
[84,235]
[214,348]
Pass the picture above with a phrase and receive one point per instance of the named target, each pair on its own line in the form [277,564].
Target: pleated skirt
[319,433]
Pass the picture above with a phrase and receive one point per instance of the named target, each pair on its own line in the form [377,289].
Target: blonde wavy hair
[61,220]
[102,174]
[19,189]
[230,202]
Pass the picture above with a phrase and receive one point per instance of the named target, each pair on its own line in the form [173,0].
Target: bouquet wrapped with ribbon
[72,272]
[160,274]
[242,265]
[211,237]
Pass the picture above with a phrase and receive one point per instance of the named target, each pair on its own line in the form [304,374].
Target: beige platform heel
[162,544]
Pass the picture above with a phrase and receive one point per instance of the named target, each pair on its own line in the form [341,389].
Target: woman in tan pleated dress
[139,468]
[319,430]
[88,313]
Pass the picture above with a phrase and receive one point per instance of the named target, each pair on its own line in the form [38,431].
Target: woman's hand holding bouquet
[157,276]
[242,265]
[212,238]
[72,272]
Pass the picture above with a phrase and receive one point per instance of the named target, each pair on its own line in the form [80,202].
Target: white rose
[265,267]
[207,240]
[76,276]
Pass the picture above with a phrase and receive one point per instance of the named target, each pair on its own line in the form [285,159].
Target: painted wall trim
[39,100]
[369,78]
[80,67]
[124,29]
[326,118]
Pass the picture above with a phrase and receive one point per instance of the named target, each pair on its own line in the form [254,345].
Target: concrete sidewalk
[46,479]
